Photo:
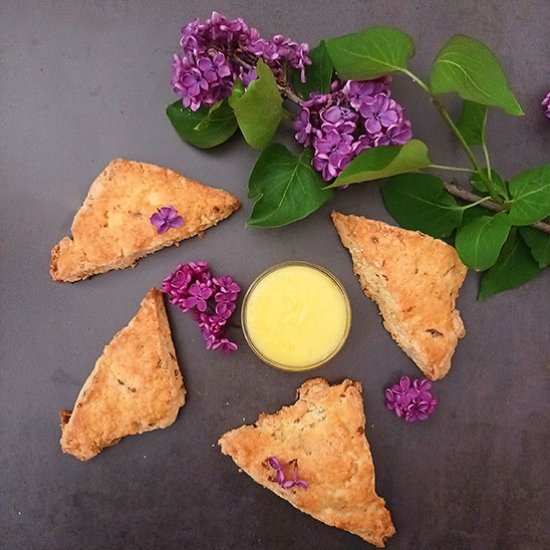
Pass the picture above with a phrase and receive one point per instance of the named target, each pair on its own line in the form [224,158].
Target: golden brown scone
[112,228]
[135,386]
[415,280]
[325,431]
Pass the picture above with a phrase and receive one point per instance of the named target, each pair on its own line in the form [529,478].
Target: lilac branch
[468,196]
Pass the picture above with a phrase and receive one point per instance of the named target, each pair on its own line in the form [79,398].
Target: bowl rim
[263,275]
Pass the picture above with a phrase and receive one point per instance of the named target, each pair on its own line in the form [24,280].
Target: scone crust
[415,280]
[325,431]
[135,386]
[112,230]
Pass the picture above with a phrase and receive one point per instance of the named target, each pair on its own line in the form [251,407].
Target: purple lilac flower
[212,328]
[197,37]
[333,153]
[304,128]
[202,80]
[228,289]
[361,91]
[219,51]
[353,117]
[546,104]
[224,345]
[379,112]
[398,134]
[177,284]
[411,401]
[340,118]
[276,465]
[280,473]
[224,310]
[211,301]
[198,294]
[280,49]
[166,218]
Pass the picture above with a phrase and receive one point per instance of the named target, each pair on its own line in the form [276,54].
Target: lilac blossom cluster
[212,301]
[411,401]
[219,51]
[353,117]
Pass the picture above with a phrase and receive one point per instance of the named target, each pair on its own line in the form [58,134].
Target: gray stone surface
[84,82]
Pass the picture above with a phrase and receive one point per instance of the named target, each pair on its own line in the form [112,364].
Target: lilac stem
[468,196]
[438,104]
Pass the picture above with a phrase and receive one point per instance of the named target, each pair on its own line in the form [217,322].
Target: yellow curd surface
[296,316]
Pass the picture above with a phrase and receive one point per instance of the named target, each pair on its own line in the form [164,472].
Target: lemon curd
[296,316]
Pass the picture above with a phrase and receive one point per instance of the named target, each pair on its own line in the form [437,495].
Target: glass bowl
[289,365]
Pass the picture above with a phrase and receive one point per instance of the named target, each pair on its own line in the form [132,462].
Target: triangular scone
[112,228]
[135,386]
[415,280]
[325,432]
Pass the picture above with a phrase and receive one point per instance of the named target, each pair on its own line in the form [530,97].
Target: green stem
[487,160]
[486,151]
[449,121]
[450,168]
[446,117]
[417,80]
[480,201]
[438,104]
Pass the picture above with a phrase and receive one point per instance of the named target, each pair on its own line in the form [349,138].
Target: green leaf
[473,213]
[205,128]
[286,188]
[318,74]
[419,201]
[260,109]
[370,53]
[514,267]
[472,122]
[479,183]
[469,68]
[530,192]
[383,162]
[539,243]
[479,242]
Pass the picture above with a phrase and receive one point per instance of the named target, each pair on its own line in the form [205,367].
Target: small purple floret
[280,477]
[411,401]
[224,345]
[198,294]
[211,301]
[166,218]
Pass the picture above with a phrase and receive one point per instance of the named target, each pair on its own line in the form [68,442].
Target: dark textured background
[84,82]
